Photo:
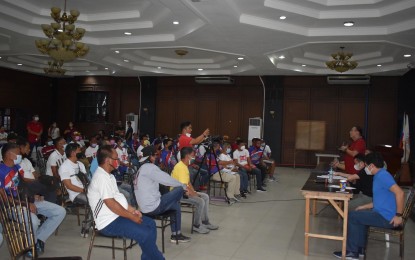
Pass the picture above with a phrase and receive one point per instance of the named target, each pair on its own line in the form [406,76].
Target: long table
[312,190]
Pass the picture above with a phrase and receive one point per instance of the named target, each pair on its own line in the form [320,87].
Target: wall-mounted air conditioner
[254,129]
[348,79]
[214,80]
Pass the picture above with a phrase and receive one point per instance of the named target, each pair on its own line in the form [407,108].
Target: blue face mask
[18,159]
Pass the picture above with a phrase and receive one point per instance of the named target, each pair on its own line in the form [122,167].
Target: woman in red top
[358,146]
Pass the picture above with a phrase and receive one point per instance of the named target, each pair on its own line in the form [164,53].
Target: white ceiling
[216,33]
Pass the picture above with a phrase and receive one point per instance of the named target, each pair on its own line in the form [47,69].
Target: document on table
[338,187]
[334,177]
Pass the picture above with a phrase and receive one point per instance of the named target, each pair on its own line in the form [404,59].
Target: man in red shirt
[358,146]
[34,132]
[185,139]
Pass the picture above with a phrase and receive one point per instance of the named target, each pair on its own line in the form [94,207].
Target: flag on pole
[405,143]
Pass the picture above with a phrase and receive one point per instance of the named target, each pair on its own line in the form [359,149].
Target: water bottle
[331,175]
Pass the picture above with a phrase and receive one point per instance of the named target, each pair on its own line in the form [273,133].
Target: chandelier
[341,62]
[55,68]
[63,43]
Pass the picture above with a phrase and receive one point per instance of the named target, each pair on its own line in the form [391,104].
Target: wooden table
[313,190]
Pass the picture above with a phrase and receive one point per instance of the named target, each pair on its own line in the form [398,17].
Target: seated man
[113,216]
[68,173]
[91,151]
[9,178]
[167,158]
[242,160]
[149,199]
[200,200]
[31,177]
[227,171]
[256,153]
[270,163]
[385,211]
[361,181]
[56,158]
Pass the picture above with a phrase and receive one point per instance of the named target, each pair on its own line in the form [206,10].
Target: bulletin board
[310,135]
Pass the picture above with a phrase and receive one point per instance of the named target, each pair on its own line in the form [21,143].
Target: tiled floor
[265,226]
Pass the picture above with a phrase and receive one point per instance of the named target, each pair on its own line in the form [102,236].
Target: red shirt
[360,146]
[184,141]
[35,127]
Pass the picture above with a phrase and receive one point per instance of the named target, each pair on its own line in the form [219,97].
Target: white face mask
[18,159]
[36,118]
[368,172]
[50,143]
[243,147]
[188,135]
[228,150]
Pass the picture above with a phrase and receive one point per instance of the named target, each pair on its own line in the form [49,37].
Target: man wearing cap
[34,132]
[149,199]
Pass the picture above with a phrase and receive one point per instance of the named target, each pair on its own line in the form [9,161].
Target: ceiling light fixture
[105,68]
[379,65]
[181,53]
[240,58]
[199,69]
[235,66]
[281,57]
[19,64]
[175,22]
[55,68]
[341,62]
[117,52]
[127,33]
[62,46]
[126,61]
[282,17]
[407,55]
[303,65]
[159,67]
[348,23]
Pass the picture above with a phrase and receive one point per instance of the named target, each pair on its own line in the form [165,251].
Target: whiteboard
[310,135]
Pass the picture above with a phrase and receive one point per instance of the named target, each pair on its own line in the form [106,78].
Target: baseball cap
[147,152]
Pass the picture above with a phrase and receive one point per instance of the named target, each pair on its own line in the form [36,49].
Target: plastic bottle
[331,175]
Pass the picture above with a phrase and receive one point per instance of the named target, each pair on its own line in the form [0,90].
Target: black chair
[189,208]
[166,219]
[124,247]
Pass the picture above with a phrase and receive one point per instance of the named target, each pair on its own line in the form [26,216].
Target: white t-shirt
[140,148]
[55,133]
[28,169]
[91,151]
[122,154]
[226,158]
[241,156]
[68,171]
[267,151]
[104,186]
[55,159]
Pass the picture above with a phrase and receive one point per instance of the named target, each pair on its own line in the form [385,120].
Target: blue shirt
[94,166]
[384,201]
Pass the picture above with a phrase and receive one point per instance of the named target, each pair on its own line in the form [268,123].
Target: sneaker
[261,189]
[238,196]
[40,247]
[243,195]
[361,251]
[349,255]
[247,192]
[236,200]
[201,229]
[210,226]
[180,238]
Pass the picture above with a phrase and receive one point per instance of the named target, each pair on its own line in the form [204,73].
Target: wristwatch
[398,214]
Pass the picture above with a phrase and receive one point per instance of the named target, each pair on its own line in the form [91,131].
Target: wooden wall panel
[382,128]
[207,109]
[350,114]
[230,119]
[165,115]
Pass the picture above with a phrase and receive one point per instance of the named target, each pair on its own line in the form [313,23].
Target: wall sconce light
[272,113]
[145,110]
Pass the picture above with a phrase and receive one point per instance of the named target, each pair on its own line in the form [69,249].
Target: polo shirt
[181,173]
[91,151]
[384,201]
[255,154]
[27,168]
[104,186]
[184,141]
[55,159]
[35,127]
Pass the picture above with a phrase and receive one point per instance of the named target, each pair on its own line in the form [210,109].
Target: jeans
[257,173]
[201,203]
[171,201]
[145,234]
[263,170]
[359,221]
[244,178]
[55,215]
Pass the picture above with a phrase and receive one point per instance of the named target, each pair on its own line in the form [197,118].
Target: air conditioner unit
[255,129]
[348,80]
[214,80]
[134,121]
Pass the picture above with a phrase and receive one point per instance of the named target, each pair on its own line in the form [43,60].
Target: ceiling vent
[214,80]
[348,80]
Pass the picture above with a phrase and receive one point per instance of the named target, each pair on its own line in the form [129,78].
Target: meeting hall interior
[298,114]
